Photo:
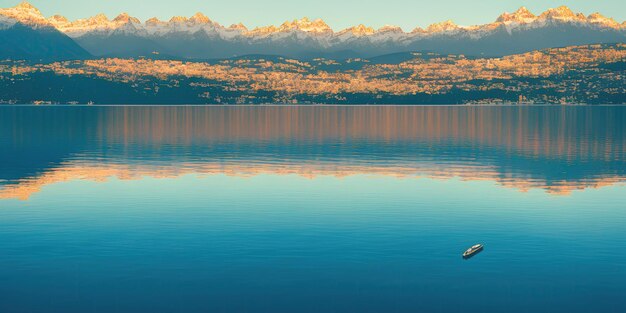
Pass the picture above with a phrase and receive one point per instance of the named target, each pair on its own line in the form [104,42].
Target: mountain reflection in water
[558,149]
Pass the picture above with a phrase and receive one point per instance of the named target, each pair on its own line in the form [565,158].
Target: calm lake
[312,209]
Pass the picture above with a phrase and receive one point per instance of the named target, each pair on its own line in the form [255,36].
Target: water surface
[312,209]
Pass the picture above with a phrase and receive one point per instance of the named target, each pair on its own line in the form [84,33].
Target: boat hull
[470,254]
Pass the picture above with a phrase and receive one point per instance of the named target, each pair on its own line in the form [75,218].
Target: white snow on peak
[200,18]
[178,20]
[599,19]
[358,31]
[155,22]
[562,13]
[58,19]
[390,29]
[239,26]
[124,18]
[316,29]
[300,28]
[446,26]
[262,31]
[317,26]
[181,24]
[95,24]
[389,33]
[521,16]
[6,22]
[24,13]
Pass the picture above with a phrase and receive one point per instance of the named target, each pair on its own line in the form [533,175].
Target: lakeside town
[579,74]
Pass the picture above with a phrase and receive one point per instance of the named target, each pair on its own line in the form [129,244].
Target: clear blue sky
[337,13]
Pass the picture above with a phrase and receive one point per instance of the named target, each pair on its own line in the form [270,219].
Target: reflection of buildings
[558,149]
[23,190]
[565,132]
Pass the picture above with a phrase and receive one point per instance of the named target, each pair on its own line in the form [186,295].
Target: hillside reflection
[558,149]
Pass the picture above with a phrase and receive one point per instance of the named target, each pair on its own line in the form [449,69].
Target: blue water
[312,209]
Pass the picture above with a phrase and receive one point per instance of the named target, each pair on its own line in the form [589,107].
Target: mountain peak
[26,14]
[25,5]
[154,21]
[263,31]
[306,25]
[442,27]
[100,17]
[361,30]
[59,19]
[178,19]
[390,29]
[239,26]
[125,18]
[25,8]
[597,18]
[522,15]
[200,19]
[562,12]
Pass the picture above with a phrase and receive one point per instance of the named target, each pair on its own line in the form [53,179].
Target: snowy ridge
[23,13]
[6,22]
[304,28]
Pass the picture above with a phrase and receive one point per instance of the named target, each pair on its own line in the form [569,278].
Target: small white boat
[472,251]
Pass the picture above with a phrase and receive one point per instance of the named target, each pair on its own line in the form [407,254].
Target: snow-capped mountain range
[123,23]
[201,37]
[26,34]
